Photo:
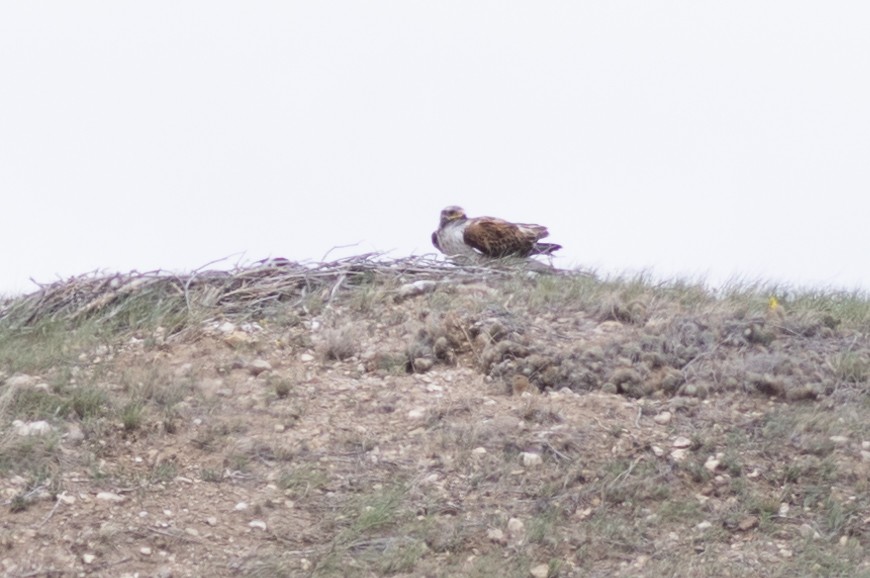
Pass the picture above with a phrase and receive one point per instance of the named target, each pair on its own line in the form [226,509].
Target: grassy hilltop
[411,418]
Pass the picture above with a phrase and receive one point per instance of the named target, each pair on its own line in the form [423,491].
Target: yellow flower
[773,303]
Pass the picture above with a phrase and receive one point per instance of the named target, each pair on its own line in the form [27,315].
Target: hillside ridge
[413,418]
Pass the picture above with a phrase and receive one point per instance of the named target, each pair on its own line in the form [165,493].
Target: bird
[488,237]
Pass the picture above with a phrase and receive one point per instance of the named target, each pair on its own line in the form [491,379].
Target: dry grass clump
[339,344]
[851,367]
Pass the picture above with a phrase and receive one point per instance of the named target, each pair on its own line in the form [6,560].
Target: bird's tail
[545,248]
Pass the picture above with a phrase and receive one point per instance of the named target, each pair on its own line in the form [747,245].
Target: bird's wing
[499,238]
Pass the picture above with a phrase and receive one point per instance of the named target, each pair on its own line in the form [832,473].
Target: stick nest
[239,291]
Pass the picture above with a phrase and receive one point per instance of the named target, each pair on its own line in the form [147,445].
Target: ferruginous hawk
[459,236]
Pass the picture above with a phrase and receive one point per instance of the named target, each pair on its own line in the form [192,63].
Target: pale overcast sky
[687,138]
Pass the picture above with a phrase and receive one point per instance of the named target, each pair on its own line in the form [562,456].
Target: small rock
[663,418]
[110,497]
[416,413]
[682,442]
[74,434]
[478,451]
[839,440]
[496,535]
[531,459]
[226,327]
[583,514]
[88,558]
[66,498]
[257,524]
[279,428]
[516,528]
[657,451]
[145,551]
[32,428]
[238,338]
[416,288]
[540,571]
[640,561]
[704,525]
[21,380]
[865,445]
[423,364]
[783,509]
[747,523]
[211,521]
[306,358]
[808,531]
[679,455]
[258,366]
[241,506]
[608,327]
[305,564]
[711,464]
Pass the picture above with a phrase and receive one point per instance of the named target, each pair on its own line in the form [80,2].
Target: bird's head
[452,213]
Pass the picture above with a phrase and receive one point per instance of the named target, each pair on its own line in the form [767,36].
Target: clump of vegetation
[339,344]
[89,402]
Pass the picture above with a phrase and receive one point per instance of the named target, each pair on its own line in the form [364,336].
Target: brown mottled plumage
[457,235]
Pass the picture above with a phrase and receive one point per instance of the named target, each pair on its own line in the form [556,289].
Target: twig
[335,288]
[556,452]
[625,473]
[325,255]
[51,513]
[471,344]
